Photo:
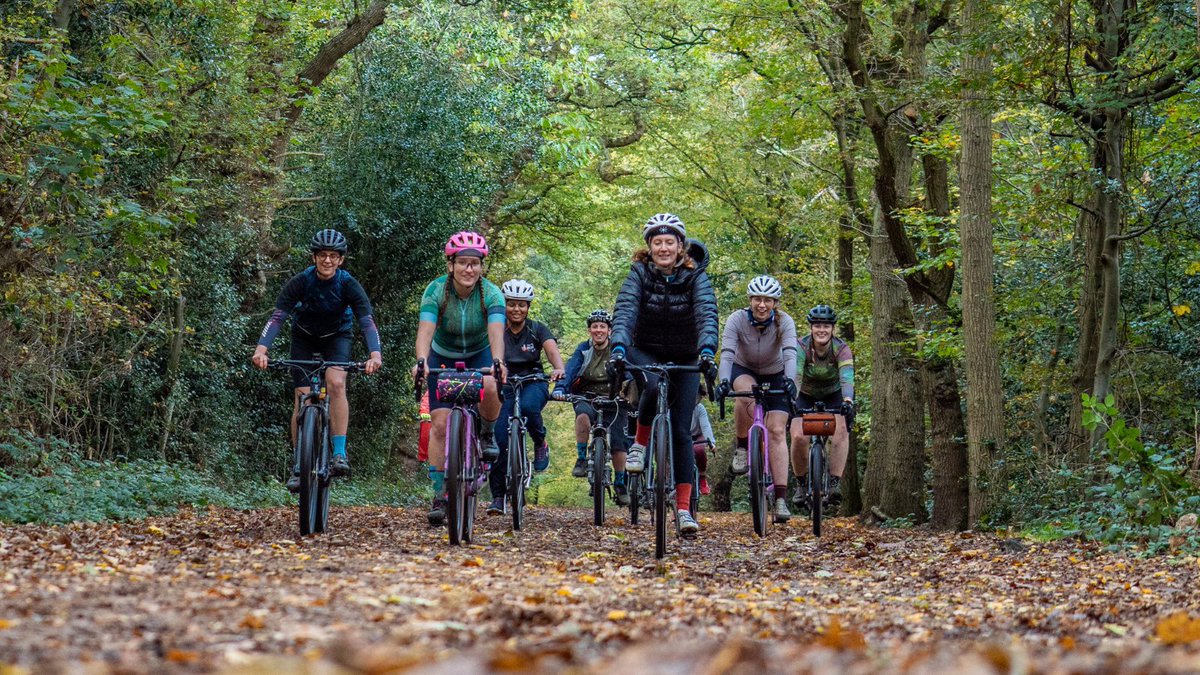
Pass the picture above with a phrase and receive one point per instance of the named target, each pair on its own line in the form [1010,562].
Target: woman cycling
[321,302]
[826,375]
[759,347]
[586,375]
[524,342]
[462,319]
[666,312]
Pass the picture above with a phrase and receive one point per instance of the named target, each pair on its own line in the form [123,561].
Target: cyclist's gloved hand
[707,366]
[789,385]
[848,410]
[615,368]
[724,389]
[558,395]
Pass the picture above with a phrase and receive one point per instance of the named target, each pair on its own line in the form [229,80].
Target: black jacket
[675,319]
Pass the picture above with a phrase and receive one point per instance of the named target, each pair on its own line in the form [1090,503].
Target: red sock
[683,496]
[642,437]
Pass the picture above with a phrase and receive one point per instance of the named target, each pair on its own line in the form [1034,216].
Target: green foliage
[1145,488]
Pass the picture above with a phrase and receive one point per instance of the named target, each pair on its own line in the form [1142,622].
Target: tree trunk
[948,452]
[895,478]
[985,397]
[1112,216]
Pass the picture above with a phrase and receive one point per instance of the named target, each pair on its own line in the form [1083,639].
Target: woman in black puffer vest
[666,312]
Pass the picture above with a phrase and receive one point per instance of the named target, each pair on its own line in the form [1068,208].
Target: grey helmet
[328,240]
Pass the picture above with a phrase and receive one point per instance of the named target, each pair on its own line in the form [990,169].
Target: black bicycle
[818,424]
[519,472]
[466,472]
[312,440]
[599,474]
[659,456]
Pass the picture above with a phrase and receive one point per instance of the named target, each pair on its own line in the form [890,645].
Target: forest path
[382,592]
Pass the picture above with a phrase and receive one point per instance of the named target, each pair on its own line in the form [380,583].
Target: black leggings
[682,394]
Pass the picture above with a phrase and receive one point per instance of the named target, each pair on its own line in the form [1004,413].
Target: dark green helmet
[822,314]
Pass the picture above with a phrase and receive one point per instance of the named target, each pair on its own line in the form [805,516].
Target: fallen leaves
[1178,629]
[560,596]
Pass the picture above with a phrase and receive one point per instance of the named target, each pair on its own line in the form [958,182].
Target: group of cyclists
[665,312]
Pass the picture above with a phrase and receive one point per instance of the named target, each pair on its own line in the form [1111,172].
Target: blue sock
[438,478]
[339,446]
[620,480]
[581,449]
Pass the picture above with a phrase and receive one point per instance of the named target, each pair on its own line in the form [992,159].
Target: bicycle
[599,476]
[818,424]
[659,456]
[519,471]
[312,440]
[762,482]
[466,472]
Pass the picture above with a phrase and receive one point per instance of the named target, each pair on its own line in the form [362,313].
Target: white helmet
[517,289]
[664,223]
[765,286]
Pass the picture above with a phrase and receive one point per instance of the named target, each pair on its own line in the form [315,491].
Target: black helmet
[599,315]
[328,240]
[822,314]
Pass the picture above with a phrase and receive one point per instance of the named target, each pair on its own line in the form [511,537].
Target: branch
[639,130]
[302,200]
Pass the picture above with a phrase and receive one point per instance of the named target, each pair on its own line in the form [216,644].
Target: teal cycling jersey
[462,324]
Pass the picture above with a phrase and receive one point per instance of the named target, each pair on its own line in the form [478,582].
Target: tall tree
[985,399]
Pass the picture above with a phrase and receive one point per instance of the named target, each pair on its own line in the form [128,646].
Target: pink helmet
[467,243]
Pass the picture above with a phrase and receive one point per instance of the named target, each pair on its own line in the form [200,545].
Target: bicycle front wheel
[816,480]
[310,482]
[599,473]
[758,491]
[324,480]
[456,487]
[660,441]
[516,474]
[634,482]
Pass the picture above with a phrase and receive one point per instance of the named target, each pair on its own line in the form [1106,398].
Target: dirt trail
[381,592]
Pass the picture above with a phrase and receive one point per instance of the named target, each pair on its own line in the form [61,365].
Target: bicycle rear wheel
[816,479]
[634,483]
[310,482]
[324,480]
[660,441]
[758,492]
[599,473]
[516,474]
[455,485]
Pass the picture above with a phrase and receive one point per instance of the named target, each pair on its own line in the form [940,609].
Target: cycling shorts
[774,402]
[334,347]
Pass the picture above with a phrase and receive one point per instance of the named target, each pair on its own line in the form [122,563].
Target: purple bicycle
[466,472]
[762,483]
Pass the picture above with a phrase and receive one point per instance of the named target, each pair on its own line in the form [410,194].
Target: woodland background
[1000,198]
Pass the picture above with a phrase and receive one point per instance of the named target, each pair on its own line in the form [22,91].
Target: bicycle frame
[471,466]
[315,476]
[662,444]
[817,486]
[517,383]
[759,392]
[607,410]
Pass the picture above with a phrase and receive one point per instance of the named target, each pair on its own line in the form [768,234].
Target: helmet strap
[760,324]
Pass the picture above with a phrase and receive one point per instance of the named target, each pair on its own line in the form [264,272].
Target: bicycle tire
[634,483]
[472,467]
[324,480]
[516,474]
[599,473]
[310,429]
[758,492]
[694,504]
[661,442]
[816,478]
[455,449]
